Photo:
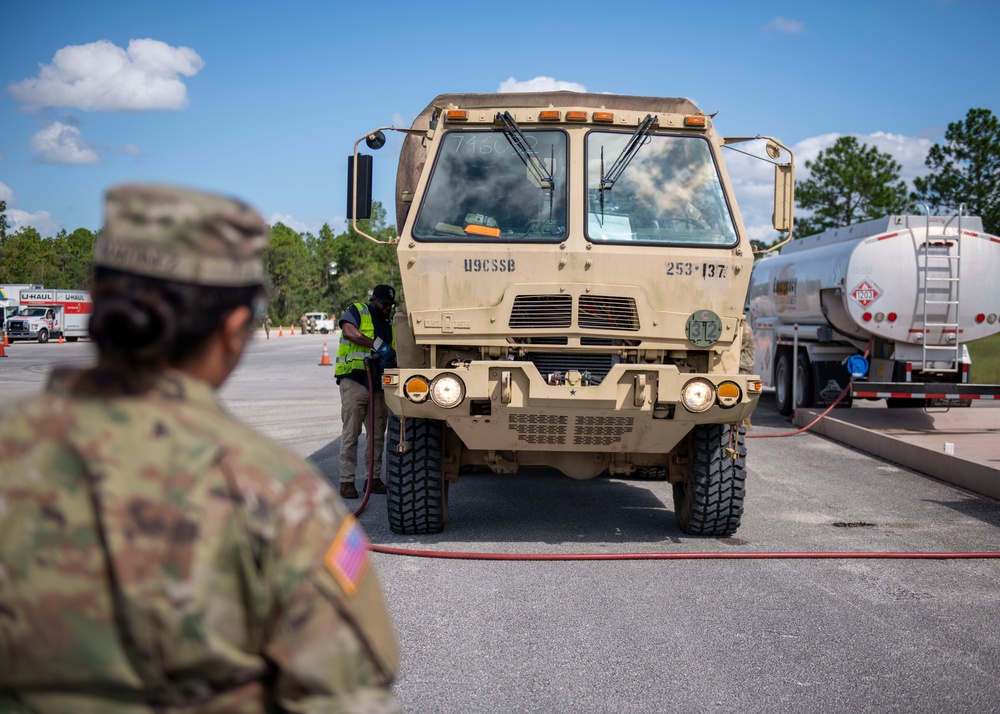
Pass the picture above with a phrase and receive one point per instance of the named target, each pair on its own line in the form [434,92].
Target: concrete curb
[915,439]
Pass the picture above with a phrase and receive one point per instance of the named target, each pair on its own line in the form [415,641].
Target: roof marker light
[576,116]
[549,115]
[604,116]
[696,121]
[458,114]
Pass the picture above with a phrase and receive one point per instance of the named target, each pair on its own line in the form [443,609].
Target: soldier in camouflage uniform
[156,555]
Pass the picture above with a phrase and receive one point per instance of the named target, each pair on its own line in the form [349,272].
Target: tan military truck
[574,273]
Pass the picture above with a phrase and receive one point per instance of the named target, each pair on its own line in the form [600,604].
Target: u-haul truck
[48,314]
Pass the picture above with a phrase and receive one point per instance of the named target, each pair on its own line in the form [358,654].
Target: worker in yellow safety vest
[365,329]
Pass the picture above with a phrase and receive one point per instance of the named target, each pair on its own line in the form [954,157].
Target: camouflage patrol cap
[181,234]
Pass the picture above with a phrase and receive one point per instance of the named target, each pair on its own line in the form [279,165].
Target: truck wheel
[783,383]
[804,392]
[650,473]
[43,336]
[323,331]
[417,497]
[709,501]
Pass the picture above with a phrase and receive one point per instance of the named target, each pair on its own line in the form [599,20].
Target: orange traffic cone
[280,334]
[3,353]
[325,362]
[60,338]
[292,329]
[6,343]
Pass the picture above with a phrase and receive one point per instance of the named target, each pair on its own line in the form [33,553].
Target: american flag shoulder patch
[347,558]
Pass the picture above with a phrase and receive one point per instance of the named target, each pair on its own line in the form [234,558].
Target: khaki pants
[354,414]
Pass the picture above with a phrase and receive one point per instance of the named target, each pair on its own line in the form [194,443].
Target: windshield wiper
[519,141]
[645,128]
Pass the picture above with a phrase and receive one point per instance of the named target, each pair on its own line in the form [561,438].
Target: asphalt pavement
[843,635]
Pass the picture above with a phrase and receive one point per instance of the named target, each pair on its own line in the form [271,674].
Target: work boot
[348,490]
[377,485]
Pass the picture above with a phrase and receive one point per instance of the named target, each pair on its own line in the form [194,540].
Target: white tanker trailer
[886,306]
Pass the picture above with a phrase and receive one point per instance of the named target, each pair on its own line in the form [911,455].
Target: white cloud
[62,144]
[753,180]
[101,76]
[41,221]
[296,225]
[539,84]
[784,25]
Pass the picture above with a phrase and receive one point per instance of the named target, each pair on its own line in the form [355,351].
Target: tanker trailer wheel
[709,500]
[804,388]
[783,383]
[787,402]
[417,498]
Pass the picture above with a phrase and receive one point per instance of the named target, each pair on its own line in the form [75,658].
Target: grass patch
[985,355]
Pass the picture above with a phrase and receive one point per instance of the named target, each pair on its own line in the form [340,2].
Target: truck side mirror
[359,206]
[784,197]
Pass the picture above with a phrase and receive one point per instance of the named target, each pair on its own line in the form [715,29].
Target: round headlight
[416,389]
[729,394]
[698,395]
[447,391]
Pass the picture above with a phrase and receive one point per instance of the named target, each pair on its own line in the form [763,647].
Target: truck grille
[600,430]
[539,428]
[606,312]
[17,325]
[555,430]
[541,312]
[594,312]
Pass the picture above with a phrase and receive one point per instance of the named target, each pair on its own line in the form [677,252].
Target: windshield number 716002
[706,270]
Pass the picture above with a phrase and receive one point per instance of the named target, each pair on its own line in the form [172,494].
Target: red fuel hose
[371,442]
[725,555]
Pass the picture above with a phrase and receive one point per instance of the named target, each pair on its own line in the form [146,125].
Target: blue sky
[265,100]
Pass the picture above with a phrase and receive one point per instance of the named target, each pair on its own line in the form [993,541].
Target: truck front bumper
[509,406]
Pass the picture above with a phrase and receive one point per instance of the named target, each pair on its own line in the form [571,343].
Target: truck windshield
[482,189]
[669,193]
[32,312]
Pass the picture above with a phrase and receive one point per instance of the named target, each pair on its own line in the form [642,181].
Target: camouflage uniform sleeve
[329,635]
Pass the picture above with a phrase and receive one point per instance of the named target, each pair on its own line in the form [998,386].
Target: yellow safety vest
[350,356]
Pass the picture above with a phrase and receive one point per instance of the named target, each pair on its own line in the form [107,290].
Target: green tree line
[324,272]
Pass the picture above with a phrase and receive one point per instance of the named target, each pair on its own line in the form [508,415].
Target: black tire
[783,383]
[43,336]
[417,493]
[323,331]
[804,388]
[709,502]
[650,473]
[72,339]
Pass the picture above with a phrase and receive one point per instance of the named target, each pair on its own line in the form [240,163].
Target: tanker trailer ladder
[938,266]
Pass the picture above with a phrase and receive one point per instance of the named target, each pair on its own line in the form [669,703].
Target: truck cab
[574,270]
[33,323]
